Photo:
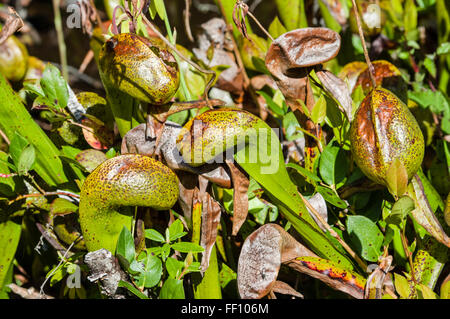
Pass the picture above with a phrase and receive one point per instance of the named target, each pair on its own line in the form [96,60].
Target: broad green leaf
[62,206]
[289,12]
[186,247]
[400,210]
[334,114]
[292,13]
[165,251]
[443,49]
[366,237]
[402,286]
[274,107]
[54,87]
[132,289]
[319,111]
[333,164]
[425,292]
[14,117]
[26,159]
[331,197]
[304,172]
[428,63]
[172,289]
[125,245]
[429,261]
[423,213]
[174,267]
[7,185]
[397,178]
[152,272]
[330,21]
[154,235]
[18,144]
[435,100]
[9,239]
[276,28]
[160,9]
[111,153]
[208,285]
[291,126]
[176,230]
[410,16]
[226,275]
[433,197]
[259,65]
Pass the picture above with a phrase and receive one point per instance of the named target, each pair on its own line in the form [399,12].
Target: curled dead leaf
[423,214]
[302,48]
[290,56]
[319,204]
[211,212]
[283,288]
[338,90]
[12,24]
[214,38]
[240,196]
[376,280]
[261,256]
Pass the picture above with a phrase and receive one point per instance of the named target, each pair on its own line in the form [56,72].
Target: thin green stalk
[60,35]
[184,89]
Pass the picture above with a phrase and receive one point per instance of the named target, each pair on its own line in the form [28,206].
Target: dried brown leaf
[214,49]
[290,56]
[12,24]
[423,214]
[261,256]
[211,212]
[240,11]
[88,16]
[319,204]
[240,196]
[376,280]
[283,288]
[302,48]
[338,90]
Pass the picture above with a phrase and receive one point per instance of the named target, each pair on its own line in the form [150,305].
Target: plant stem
[35,183]
[60,35]
[260,26]
[187,15]
[62,261]
[366,54]
[408,253]
[41,195]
